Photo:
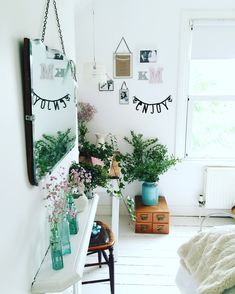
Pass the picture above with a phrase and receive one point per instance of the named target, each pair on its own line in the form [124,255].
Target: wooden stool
[99,244]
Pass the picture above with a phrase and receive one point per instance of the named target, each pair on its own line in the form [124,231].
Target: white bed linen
[187,285]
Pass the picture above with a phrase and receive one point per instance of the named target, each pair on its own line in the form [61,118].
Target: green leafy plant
[148,160]
[99,174]
[51,149]
[103,151]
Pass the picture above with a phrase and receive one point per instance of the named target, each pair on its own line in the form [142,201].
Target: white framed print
[148,55]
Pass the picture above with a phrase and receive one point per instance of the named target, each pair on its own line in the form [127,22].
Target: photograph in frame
[106,85]
[148,56]
[124,96]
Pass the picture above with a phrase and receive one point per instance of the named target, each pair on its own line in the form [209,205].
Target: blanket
[210,258]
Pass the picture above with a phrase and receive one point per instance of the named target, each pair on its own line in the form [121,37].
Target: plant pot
[96,161]
[150,193]
[81,202]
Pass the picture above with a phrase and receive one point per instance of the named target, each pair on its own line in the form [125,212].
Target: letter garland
[151,106]
[46,102]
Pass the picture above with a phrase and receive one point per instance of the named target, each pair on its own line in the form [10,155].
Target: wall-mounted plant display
[122,62]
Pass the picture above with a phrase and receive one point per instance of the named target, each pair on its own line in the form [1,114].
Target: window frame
[182,130]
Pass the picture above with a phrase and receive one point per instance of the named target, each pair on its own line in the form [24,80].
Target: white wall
[144,24]
[22,209]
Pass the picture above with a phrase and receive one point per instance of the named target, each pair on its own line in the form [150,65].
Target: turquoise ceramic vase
[150,193]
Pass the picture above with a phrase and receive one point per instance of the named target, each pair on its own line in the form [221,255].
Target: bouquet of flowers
[55,198]
[79,179]
[86,112]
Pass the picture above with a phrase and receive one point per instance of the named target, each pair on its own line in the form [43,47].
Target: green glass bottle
[72,215]
[63,230]
[56,250]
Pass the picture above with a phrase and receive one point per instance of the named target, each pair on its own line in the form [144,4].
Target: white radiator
[219,187]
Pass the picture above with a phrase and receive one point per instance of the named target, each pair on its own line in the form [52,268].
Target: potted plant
[148,160]
[96,175]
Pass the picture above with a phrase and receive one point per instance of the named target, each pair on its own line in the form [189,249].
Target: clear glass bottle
[63,229]
[72,215]
[56,250]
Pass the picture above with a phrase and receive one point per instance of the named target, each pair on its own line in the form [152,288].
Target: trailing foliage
[148,160]
[50,149]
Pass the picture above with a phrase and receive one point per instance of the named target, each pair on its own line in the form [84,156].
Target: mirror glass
[50,106]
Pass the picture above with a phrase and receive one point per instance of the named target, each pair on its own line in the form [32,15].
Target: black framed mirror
[50,107]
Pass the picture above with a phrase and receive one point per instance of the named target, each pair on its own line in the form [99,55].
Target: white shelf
[49,280]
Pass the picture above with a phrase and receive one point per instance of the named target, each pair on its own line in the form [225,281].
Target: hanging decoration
[45,103]
[124,94]
[107,84]
[153,75]
[58,24]
[93,70]
[151,107]
[122,62]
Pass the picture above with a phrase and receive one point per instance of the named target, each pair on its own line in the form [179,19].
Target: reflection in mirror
[50,107]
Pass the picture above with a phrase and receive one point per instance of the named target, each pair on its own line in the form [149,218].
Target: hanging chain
[45,21]
[59,28]
[58,24]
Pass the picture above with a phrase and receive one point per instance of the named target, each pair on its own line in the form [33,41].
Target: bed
[207,262]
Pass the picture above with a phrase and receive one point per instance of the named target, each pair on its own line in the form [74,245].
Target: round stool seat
[103,240]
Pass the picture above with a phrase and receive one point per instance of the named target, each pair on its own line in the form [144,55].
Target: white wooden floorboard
[147,263]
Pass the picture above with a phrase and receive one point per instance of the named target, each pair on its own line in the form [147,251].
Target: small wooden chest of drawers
[152,219]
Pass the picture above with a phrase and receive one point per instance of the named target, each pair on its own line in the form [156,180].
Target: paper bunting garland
[151,107]
[45,103]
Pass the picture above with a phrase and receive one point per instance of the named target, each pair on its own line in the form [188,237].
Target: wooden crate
[152,219]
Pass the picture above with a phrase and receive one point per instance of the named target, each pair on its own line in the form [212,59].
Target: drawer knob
[144,216]
[160,217]
[144,228]
[159,228]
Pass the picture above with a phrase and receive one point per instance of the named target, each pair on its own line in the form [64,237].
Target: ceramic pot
[150,193]
[81,202]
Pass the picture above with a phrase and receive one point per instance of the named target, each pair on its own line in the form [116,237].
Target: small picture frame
[106,85]
[123,96]
[148,56]
[122,67]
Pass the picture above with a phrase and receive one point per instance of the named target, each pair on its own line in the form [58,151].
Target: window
[210,122]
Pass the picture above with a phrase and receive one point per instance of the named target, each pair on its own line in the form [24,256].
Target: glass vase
[63,229]
[56,249]
[72,215]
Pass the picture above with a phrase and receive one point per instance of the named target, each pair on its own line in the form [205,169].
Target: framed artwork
[122,61]
[148,56]
[107,85]
[124,94]
[122,65]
